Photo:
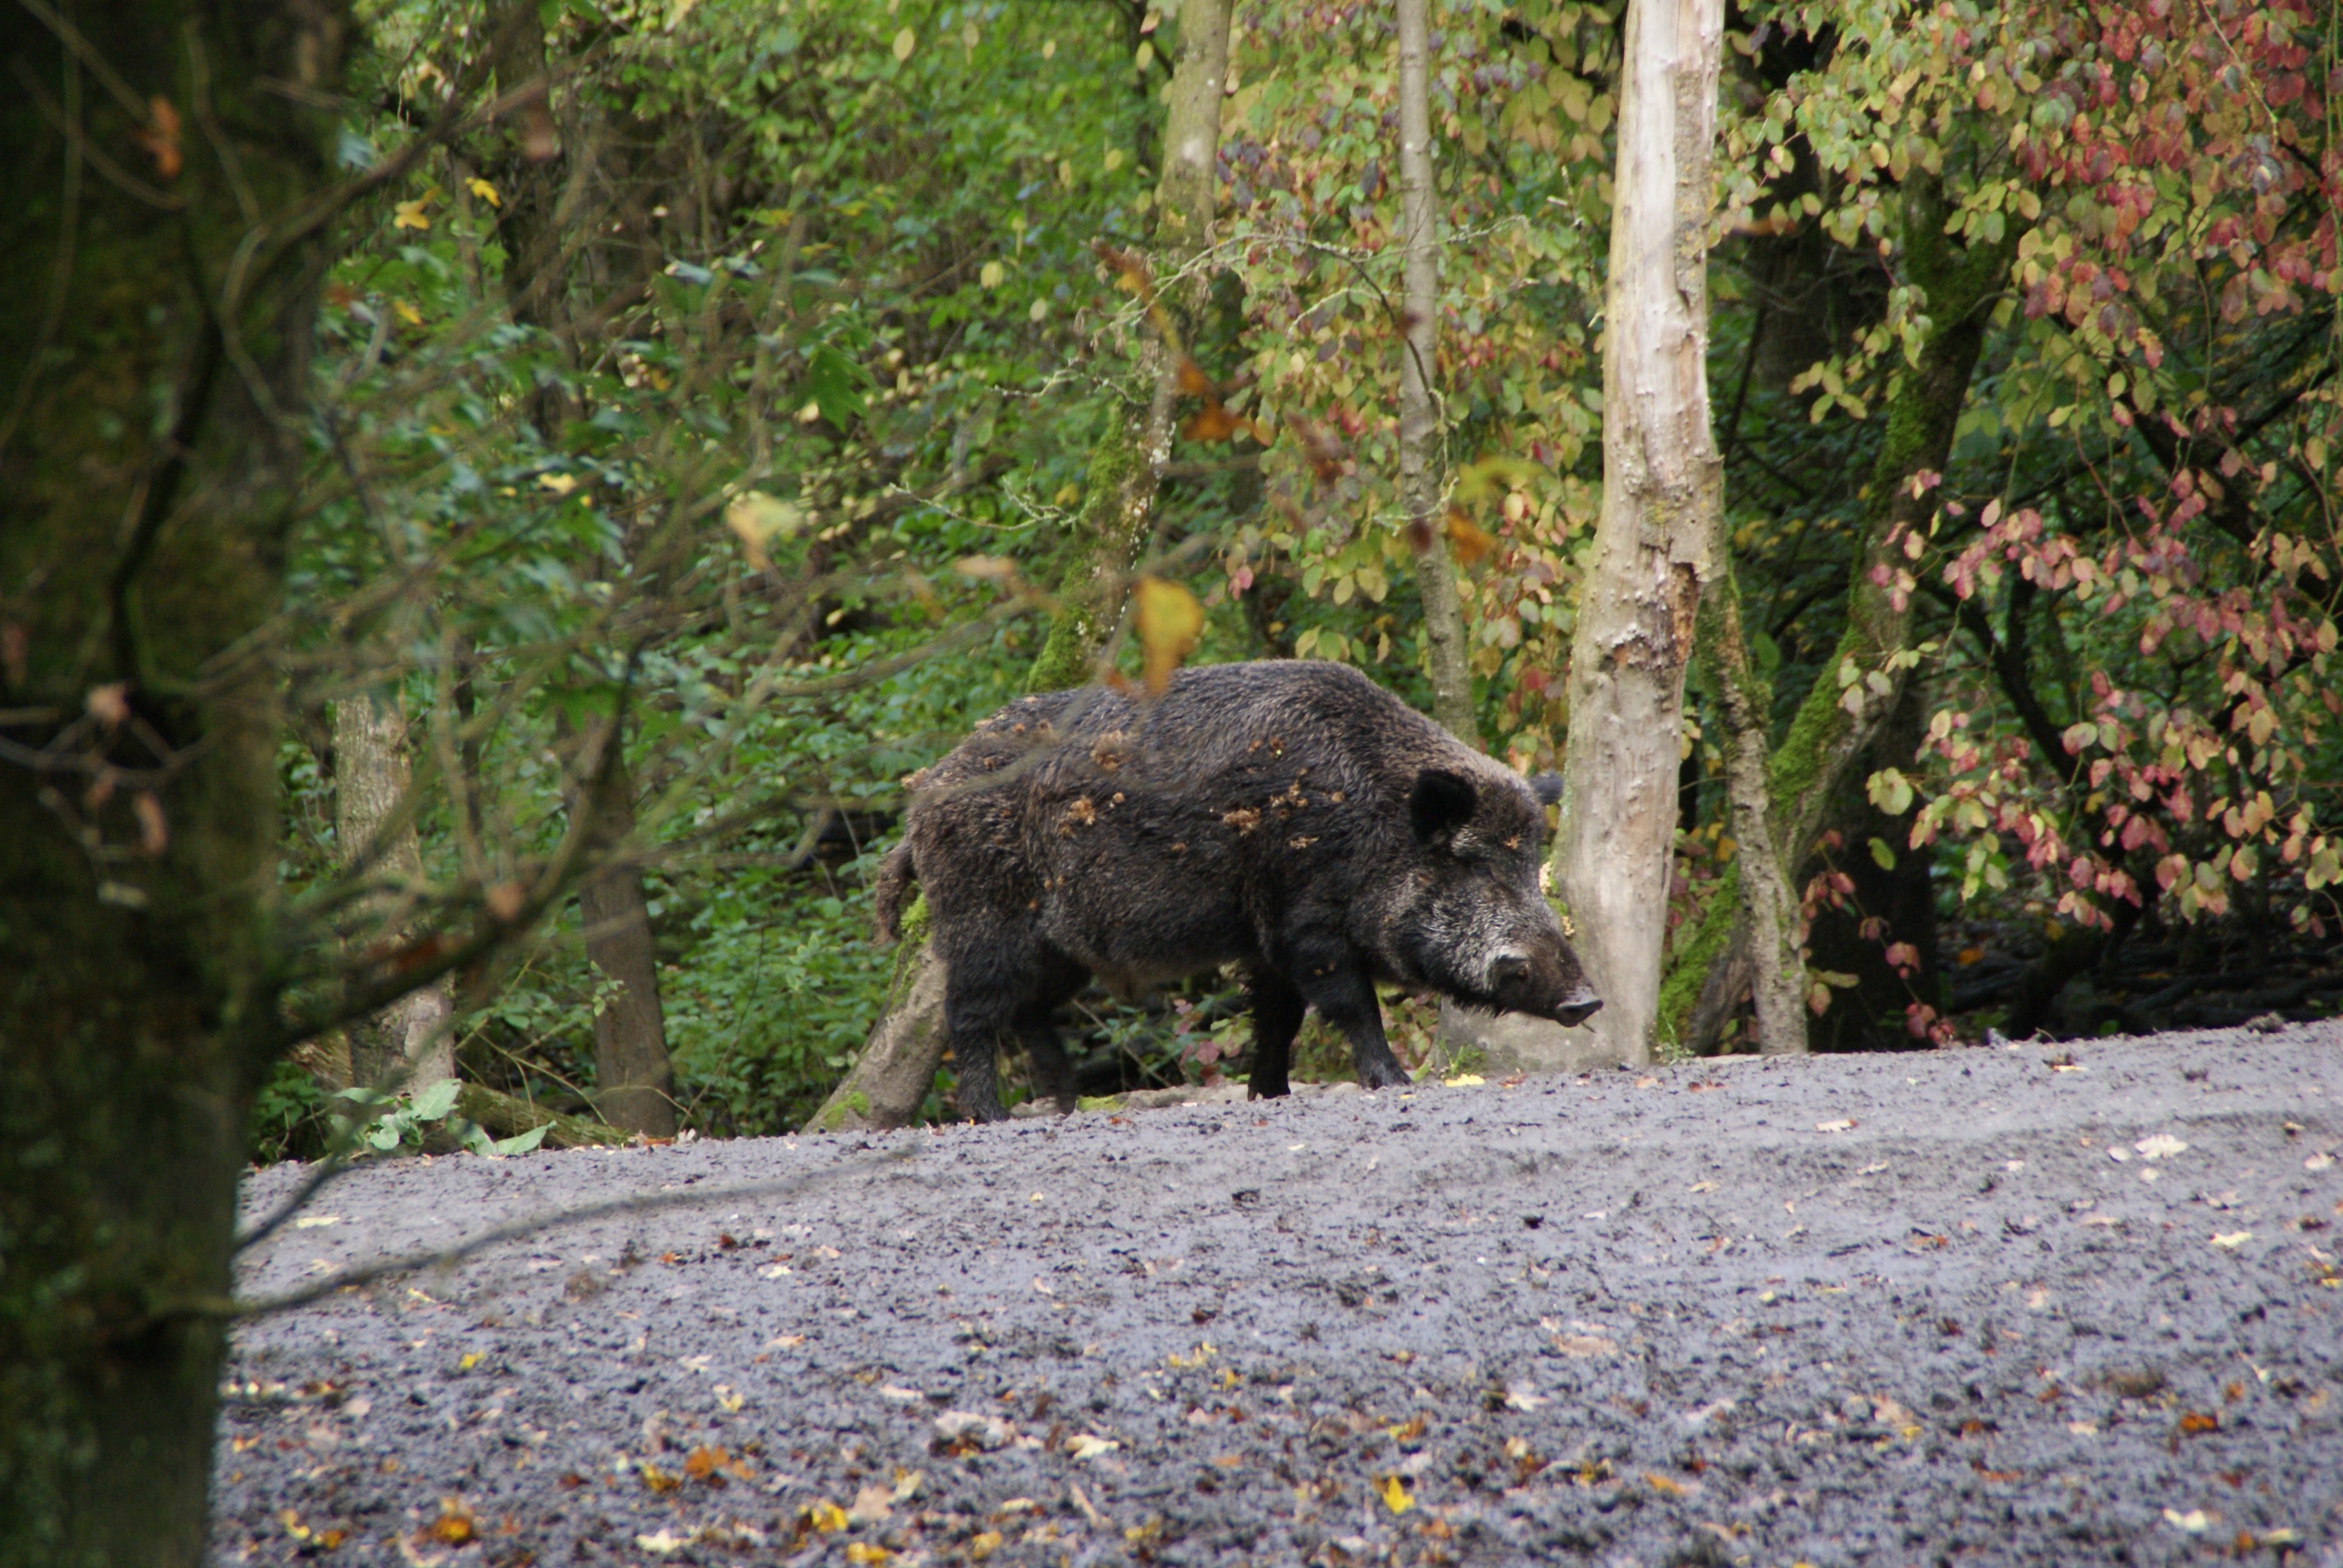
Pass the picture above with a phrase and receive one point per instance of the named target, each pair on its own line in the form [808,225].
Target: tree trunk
[138,807]
[1860,685]
[1661,495]
[1421,457]
[891,1077]
[412,1041]
[1770,902]
[633,1080]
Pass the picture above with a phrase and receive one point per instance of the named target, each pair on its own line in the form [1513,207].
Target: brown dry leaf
[160,137]
[1212,422]
[1663,1486]
[2195,1423]
[706,1463]
[1169,622]
[660,1481]
[153,833]
[1467,539]
[1193,382]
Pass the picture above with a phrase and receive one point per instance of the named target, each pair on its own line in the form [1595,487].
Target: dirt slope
[1876,1309]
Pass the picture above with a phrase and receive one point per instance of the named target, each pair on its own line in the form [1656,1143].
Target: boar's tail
[894,883]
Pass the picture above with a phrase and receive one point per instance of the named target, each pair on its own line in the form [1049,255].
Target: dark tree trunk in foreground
[891,1077]
[137,802]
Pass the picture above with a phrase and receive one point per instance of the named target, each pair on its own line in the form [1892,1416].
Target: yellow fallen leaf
[1394,1494]
[1089,1445]
[1664,1485]
[470,1359]
[1464,1080]
[2162,1146]
[311,1222]
[1169,622]
[2194,1522]
[982,1546]
[410,213]
[664,1543]
[864,1552]
[826,1516]
[1844,1124]
[2232,1240]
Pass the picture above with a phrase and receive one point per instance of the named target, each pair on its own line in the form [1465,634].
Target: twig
[529,1225]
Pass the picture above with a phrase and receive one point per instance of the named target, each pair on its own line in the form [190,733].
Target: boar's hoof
[1384,1075]
[1582,1005]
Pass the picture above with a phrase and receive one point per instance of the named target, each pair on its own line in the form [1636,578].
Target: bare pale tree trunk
[1778,962]
[1661,495]
[411,1043]
[1421,465]
[633,1080]
[888,1081]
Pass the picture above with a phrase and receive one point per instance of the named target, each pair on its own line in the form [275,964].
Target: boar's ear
[1440,803]
[1547,787]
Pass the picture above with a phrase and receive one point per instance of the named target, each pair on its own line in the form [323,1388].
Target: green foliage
[384,1124]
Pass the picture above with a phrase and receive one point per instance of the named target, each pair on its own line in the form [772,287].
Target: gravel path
[2073,1305]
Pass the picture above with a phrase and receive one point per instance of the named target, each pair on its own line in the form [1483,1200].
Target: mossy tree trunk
[1661,495]
[138,817]
[1421,466]
[1859,686]
[892,1075]
[1770,903]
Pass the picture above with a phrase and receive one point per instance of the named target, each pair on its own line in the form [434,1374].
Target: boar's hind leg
[1053,1075]
[1277,1009]
[1345,998]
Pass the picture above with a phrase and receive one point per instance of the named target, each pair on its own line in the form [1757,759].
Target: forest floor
[2075,1304]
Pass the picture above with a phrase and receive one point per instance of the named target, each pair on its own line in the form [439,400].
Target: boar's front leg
[1277,1009]
[1345,997]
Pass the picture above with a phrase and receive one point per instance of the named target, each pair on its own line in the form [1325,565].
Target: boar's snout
[1551,988]
[1578,1007]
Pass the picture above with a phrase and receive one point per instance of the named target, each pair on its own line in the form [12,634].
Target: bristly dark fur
[1290,817]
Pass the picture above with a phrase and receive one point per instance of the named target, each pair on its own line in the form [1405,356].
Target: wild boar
[1290,817]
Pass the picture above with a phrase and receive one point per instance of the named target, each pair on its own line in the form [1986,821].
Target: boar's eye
[1440,803]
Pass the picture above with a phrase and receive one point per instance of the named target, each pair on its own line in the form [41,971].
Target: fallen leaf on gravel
[665,1542]
[908,1483]
[1519,1396]
[658,1479]
[982,1546]
[1844,1124]
[864,1551]
[2318,1163]
[1089,1445]
[2118,1155]
[1464,1080]
[1044,1287]
[1394,1494]
[1585,1347]
[1663,1486]
[2194,1521]
[2232,1240]
[2161,1146]
[785,1342]
[968,1426]
[454,1526]
[825,1516]
[772,1270]
[898,1394]
[2197,1422]
[872,1505]
[311,1222]
[1703,1187]
[2083,1428]
[1647,1083]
